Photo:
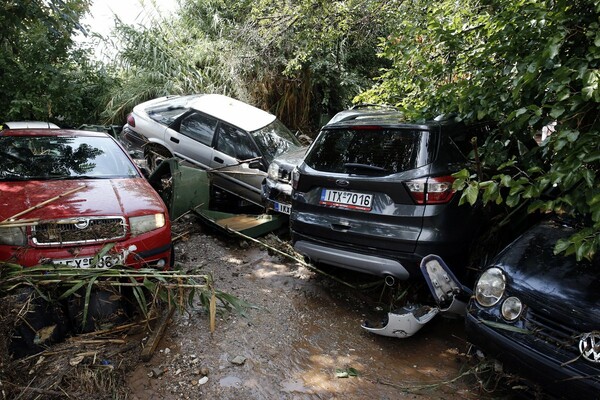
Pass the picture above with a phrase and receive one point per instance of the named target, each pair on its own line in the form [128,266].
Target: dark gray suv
[375,195]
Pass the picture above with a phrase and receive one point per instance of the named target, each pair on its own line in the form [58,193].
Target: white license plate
[282,208]
[352,200]
[86,262]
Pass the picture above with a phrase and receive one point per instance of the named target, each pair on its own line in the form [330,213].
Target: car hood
[555,285]
[102,197]
[292,158]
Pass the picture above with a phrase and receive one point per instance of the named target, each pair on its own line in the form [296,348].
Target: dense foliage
[528,65]
[43,75]
[303,61]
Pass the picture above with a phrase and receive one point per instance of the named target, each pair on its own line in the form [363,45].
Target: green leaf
[471,193]
[557,111]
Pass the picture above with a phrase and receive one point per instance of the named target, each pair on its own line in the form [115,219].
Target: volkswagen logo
[342,182]
[82,223]
[589,346]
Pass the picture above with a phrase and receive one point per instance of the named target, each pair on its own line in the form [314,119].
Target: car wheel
[154,155]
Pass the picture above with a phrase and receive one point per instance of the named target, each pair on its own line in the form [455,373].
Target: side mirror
[255,164]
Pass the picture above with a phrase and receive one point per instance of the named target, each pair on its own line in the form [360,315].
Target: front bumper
[557,377]
[277,196]
[151,249]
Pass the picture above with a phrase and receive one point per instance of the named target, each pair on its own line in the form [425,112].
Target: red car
[65,196]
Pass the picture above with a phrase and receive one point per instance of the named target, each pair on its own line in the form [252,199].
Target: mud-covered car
[66,196]
[539,314]
[233,140]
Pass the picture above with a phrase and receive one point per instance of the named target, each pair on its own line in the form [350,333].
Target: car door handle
[219,160]
[175,140]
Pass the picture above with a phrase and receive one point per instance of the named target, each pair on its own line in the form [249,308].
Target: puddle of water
[230,381]
[294,386]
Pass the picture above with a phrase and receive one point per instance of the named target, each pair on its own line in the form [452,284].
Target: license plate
[351,200]
[86,262]
[282,208]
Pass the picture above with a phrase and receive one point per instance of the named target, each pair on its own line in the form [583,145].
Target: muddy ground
[304,331]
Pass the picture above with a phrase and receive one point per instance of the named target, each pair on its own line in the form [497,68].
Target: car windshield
[370,151]
[275,139]
[62,157]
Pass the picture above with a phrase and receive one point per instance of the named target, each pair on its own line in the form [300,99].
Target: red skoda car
[66,195]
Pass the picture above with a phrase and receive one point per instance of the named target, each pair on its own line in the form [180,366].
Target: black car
[539,314]
[375,195]
[277,188]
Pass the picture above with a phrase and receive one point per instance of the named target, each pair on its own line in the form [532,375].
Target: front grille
[548,330]
[79,231]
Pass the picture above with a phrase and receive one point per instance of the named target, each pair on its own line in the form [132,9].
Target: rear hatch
[361,185]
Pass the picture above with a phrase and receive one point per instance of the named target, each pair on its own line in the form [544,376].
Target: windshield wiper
[15,178]
[364,167]
[74,177]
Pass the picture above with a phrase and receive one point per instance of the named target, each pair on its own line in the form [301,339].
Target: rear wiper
[364,167]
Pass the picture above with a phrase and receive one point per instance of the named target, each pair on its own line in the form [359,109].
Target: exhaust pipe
[390,280]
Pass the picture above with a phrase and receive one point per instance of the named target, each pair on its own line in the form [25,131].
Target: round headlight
[511,308]
[273,172]
[490,287]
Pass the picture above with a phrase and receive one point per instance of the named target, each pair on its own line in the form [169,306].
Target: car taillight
[131,120]
[436,190]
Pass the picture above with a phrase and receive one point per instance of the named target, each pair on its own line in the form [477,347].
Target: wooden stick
[43,203]
[157,335]
[20,222]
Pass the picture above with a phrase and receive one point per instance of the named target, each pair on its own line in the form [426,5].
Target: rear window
[388,151]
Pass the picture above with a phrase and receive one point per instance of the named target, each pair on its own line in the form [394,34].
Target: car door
[237,164]
[192,138]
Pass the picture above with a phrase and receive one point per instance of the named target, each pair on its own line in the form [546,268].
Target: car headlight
[511,308]
[15,236]
[490,287]
[295,177]
[146,223]
[273,172]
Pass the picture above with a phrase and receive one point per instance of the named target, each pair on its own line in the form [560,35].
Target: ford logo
[342,183]
[589,346]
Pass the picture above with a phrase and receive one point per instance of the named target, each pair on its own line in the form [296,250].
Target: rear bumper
[555,376]
[133,142]
[370,264]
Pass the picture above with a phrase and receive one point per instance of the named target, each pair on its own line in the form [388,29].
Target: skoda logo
[342,182]
[82,223]
[589,346]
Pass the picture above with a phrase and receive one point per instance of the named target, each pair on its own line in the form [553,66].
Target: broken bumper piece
[404,322]
[449,293]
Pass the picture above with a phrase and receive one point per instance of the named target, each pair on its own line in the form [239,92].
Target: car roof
[388,117]
[52,132]
[29,125]
[230,110]
[362,111]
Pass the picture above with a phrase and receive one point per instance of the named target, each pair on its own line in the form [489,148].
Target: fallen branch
[43,203]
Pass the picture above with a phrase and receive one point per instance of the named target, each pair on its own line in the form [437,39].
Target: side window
[235,143]
[199,127]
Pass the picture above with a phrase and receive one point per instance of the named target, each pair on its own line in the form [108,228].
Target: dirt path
[305,329]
